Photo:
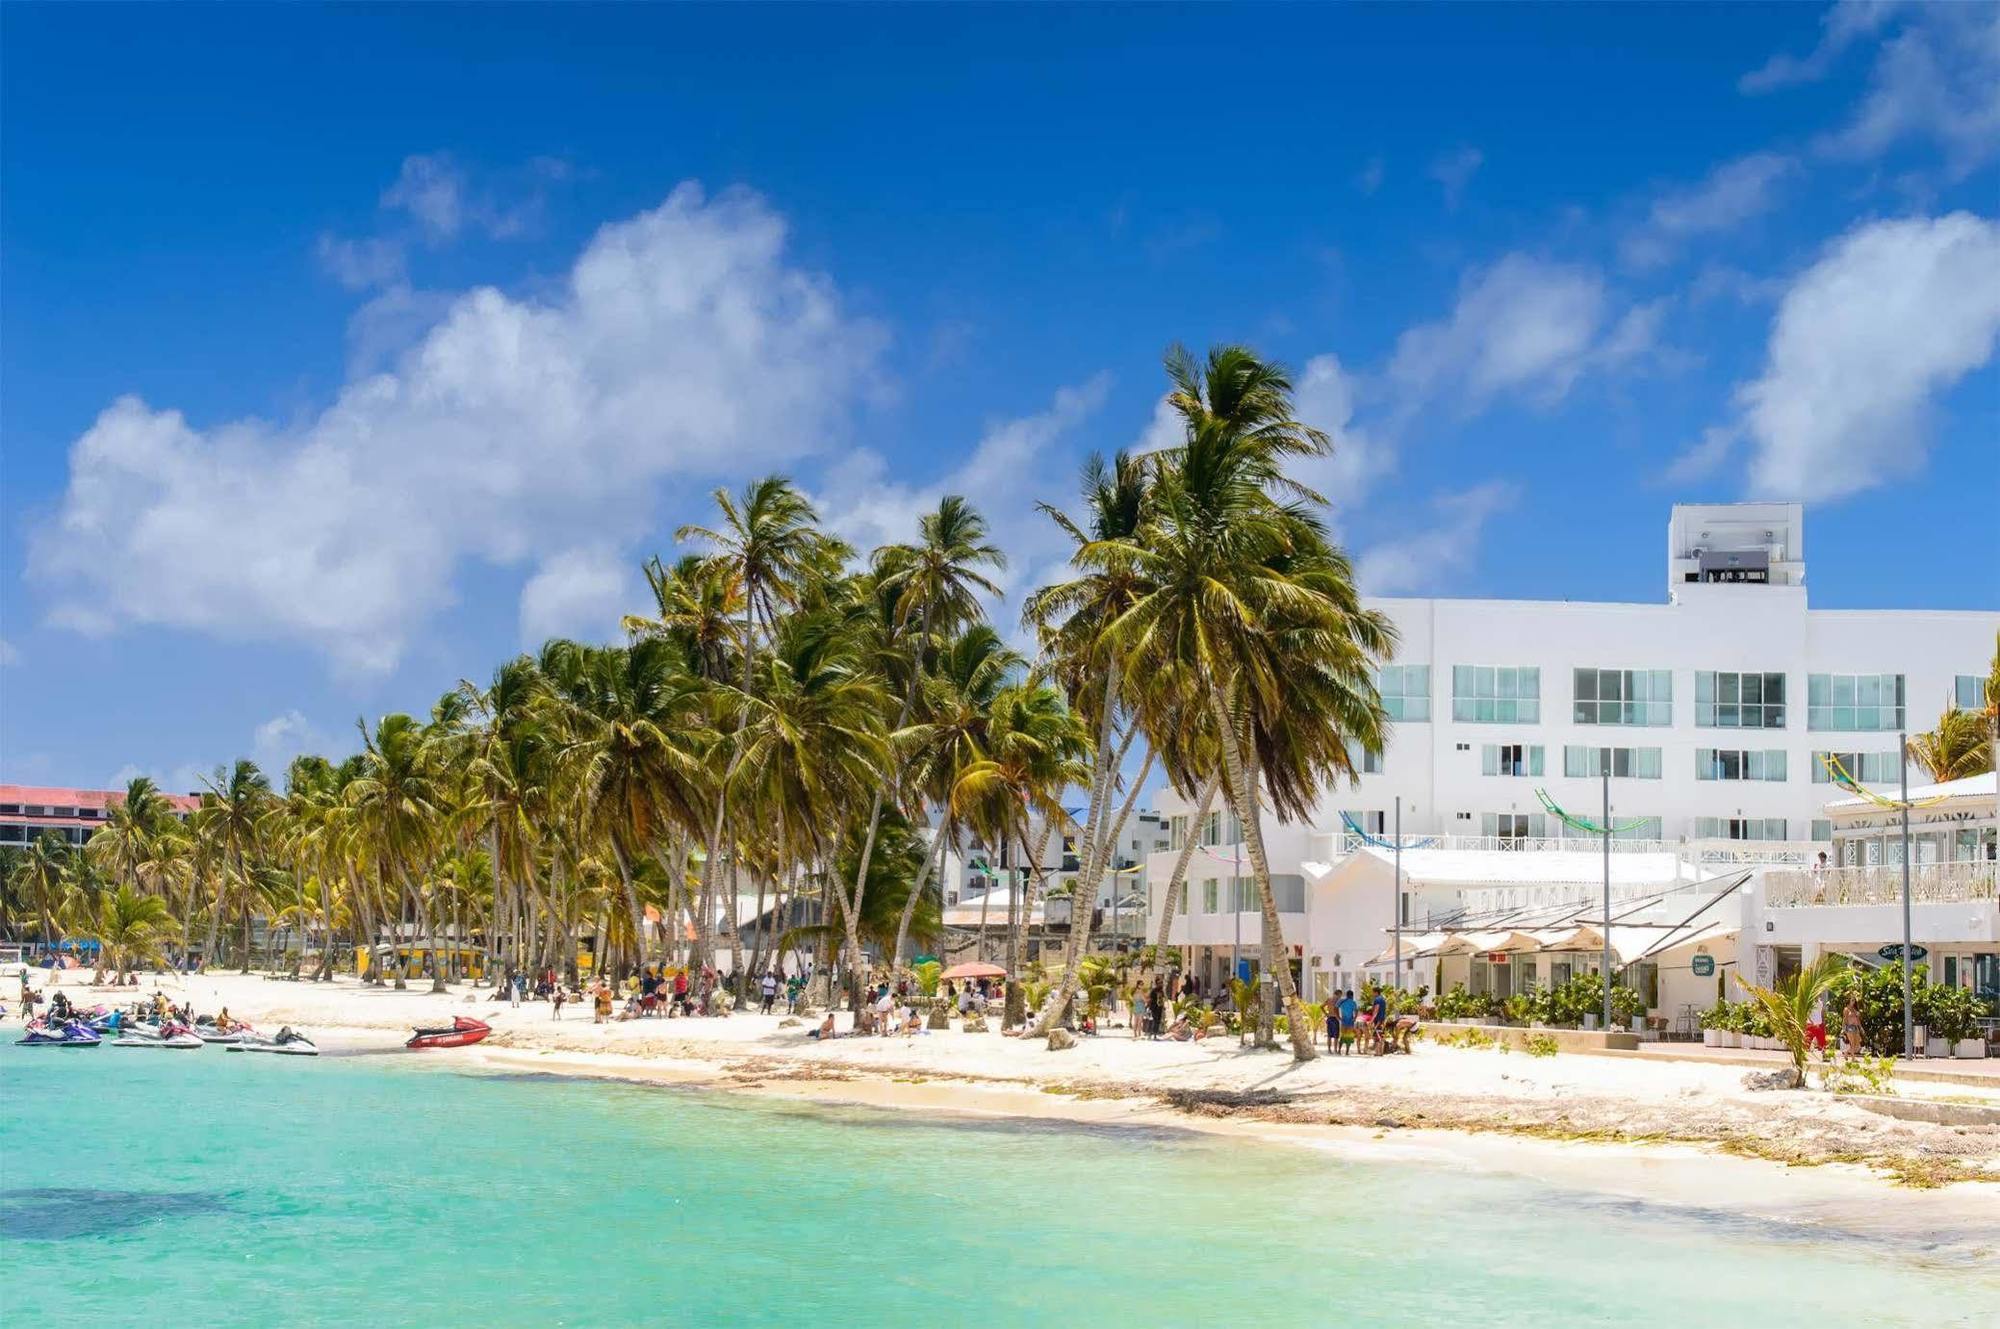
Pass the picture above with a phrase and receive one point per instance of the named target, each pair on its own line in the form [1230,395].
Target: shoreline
[1677,1133]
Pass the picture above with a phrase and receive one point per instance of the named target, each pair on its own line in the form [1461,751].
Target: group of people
[1350,1029]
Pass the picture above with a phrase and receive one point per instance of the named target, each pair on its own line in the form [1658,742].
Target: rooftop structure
[28,811]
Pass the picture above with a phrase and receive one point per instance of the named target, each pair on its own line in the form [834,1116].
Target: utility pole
[1399,893]
[1909,1013]
[1604,755]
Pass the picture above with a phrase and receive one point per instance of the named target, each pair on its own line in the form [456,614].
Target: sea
[208,1188]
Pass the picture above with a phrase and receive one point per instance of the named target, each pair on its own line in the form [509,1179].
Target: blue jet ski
[72,1035]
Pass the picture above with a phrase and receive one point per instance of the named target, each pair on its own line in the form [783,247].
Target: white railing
[1930,883]
[1330,846]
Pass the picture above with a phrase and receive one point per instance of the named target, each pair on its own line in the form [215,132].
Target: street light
[1909,1021]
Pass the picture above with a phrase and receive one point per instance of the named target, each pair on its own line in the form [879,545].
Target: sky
[345,352]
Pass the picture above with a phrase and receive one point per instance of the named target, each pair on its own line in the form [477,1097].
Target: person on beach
[1332,1026]
[1348,1013]
[601,1004]
[770,985]
[1850,1026]
[1156,1010]
[825,1030]
[556,998]
[680,1005]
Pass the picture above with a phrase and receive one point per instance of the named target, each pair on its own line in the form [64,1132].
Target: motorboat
[75,1034]
[288,1043]
[463,1031]
[156,1036]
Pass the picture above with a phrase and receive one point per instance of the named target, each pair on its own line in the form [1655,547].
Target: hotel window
[1866,767]
[1624,696]
[1739,828]
[1208,897]
[1968,692]
[1510,759]
[1853,702]
[1483,694]
[1513,826]
[1406,691]
[1372,823]
[1731,764]
[1177,831]
[1739,701]
[1363,761]
[1580,762]
[1822,829]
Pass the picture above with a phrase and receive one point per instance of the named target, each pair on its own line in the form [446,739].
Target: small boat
[75,1034]
[463,1031]
[173,1036]
[288,1043]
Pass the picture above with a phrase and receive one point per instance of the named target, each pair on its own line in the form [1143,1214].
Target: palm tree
[127,925]
[635,755]
[1958,747]
[1789,1006]
[40,875]
[399,806]
[234,807]
[1241,593]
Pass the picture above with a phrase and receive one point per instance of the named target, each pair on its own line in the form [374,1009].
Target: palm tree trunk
[1102,774]
[632,904]
[1243,800]
[1178,882]
[930,863]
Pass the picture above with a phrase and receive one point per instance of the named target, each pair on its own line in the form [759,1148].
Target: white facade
[1491,709]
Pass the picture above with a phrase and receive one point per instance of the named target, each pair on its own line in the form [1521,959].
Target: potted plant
[1711,1021]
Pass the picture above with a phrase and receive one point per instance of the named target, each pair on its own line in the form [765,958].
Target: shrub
[1458,1004]
[1541,1045]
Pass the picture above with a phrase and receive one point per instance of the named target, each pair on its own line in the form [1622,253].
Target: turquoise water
[206,1189]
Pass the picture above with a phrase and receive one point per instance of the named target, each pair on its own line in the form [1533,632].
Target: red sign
[1495,957]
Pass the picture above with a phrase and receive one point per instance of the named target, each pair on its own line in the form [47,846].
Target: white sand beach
[1650,1127]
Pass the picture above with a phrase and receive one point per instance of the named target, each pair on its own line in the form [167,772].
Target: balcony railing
[1930,883]
[1331,846]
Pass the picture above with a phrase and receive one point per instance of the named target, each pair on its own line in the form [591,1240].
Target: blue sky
[346,352]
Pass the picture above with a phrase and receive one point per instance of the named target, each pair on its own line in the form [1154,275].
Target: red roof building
[26,811]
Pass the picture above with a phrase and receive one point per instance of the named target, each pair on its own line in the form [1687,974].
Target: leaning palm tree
[1790,1005]
[39,877]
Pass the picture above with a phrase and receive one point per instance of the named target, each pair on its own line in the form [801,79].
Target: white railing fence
[1930,883]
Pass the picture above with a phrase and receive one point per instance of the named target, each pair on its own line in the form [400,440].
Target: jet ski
[463,1031]
[75,1034]
[288,1043]
[208,1033]
[157,1036]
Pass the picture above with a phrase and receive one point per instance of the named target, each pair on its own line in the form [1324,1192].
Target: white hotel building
[1716,706]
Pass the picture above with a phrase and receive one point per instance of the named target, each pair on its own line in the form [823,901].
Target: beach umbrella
[974,969]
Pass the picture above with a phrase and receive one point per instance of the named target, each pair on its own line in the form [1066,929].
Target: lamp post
[1909,1014]
[1236,908]
[1398,898]
[1604,755]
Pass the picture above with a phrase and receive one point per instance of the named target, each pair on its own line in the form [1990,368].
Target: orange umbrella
[975,969]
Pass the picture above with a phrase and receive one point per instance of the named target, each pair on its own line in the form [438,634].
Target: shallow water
[208,1189]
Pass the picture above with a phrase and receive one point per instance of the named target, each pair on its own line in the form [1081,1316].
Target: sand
[1652,1128]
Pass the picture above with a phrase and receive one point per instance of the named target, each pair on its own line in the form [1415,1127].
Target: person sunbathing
[825,1030]
[913,1025]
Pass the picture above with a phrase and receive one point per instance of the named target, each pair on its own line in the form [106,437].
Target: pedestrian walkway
[1982,1072]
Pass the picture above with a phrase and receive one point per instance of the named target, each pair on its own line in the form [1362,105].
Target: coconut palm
[234,806]
[399,804]
[1789,1006]
[1239,595]
[39,878]
[1958,747]
[128,925]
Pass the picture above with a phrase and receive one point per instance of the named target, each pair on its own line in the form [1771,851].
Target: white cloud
[1728,196]
[1324,398]
[1454,171]
[1016,463]
[9,653]
[580,593]
[1426,559]
[1523,325]
[683,344]
[1891,314]
[1935,77]
[1842,25]
[431,189]
[186,778]
[283,737]
[359,264]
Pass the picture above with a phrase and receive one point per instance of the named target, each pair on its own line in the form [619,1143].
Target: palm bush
[1789,1007]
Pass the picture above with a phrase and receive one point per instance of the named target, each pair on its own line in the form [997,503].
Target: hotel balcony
[1952,903]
